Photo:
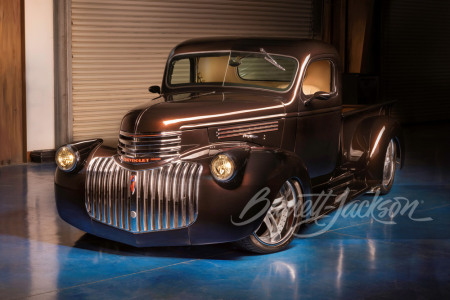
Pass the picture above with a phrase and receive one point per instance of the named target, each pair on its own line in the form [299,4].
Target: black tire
[262,241]
[391,162]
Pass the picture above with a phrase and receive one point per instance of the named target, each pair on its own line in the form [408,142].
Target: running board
[336,184]
[350,197]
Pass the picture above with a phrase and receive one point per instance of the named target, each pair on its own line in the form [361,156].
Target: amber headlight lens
[66,158]
[222,167]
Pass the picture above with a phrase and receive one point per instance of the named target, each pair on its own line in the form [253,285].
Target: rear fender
[381,133]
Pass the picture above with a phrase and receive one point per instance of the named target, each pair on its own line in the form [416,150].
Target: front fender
[221,208]
[74,180]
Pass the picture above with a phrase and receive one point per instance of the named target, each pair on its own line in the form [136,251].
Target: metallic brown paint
[323,145]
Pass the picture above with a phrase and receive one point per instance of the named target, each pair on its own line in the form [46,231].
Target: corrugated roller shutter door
[120,47]
[416,57]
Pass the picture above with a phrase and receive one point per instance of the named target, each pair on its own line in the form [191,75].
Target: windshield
[242,69]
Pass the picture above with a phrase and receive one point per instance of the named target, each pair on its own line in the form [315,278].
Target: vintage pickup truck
[241,134]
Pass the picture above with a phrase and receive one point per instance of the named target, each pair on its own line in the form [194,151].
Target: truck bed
[354,109]
[348,108]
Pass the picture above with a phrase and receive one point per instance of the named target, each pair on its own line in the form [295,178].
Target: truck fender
[382,130]
[272,168]
[291,166]
[266,165]
[240,205]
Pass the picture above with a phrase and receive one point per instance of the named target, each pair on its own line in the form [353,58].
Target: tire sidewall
[386,189]
[265,248]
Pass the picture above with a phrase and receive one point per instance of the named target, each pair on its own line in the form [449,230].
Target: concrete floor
[42,257]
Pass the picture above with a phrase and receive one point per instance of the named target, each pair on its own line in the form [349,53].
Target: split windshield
[237,69]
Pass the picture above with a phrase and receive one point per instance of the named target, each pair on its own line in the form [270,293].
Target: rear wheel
[280,223]
[391,162]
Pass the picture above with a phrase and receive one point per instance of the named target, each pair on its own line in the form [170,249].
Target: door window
[318,77]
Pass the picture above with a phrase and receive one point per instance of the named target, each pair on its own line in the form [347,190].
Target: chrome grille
[226,132]
[162,145]
[163,198]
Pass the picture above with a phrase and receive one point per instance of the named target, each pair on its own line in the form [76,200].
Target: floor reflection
[42,225]
[43,257]
[268,282]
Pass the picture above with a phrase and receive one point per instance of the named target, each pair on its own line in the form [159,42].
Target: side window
[318,77]
[181,73]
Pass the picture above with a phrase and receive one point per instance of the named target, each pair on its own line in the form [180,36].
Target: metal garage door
[119,47]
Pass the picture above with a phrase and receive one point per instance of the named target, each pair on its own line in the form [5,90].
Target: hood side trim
[189,126]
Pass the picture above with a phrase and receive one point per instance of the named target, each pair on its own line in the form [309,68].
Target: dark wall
[415,58]
[393,49]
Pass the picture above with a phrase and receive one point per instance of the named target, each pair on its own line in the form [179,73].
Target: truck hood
[193,110]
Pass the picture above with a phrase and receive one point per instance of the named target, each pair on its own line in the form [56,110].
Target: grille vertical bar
[165,198]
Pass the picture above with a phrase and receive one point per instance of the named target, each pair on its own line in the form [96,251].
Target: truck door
[319,121]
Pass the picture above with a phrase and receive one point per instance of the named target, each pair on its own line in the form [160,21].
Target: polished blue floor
[358,257]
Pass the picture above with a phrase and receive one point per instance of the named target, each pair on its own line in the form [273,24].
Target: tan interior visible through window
[318,77]
[210,69]
[235,69]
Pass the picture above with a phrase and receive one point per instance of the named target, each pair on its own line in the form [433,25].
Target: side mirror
[320,95]
[154,89]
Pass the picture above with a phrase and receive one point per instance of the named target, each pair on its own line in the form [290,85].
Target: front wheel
[280,223]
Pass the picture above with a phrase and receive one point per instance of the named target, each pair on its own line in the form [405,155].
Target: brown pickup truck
[242,134]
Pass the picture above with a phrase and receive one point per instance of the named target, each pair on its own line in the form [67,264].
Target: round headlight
[222,167]
[66,158]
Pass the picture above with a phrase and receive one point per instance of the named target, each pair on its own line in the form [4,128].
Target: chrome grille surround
[164,198]
[163,145]
[246,129]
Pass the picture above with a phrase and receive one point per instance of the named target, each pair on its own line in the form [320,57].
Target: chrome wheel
[389,165]
[281,220]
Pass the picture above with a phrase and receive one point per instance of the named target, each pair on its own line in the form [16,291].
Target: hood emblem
[133,184]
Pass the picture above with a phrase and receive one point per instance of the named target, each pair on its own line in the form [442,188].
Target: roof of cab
[298,48]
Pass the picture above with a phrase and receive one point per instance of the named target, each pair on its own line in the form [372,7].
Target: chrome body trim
[162,198]
[232,121]
[248,129]
[162,144]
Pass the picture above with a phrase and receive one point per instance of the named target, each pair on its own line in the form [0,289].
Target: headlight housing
[222,167]
[66,158]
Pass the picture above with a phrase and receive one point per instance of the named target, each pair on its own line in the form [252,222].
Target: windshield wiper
[271,60]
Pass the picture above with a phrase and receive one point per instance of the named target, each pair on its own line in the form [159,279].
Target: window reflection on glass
[181,71]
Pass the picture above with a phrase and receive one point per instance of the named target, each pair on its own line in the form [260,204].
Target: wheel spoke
[288,193]
[268,224]
[276,212]
[291,203]
[277,200]
[271,225]
[278,221]
[275,234]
